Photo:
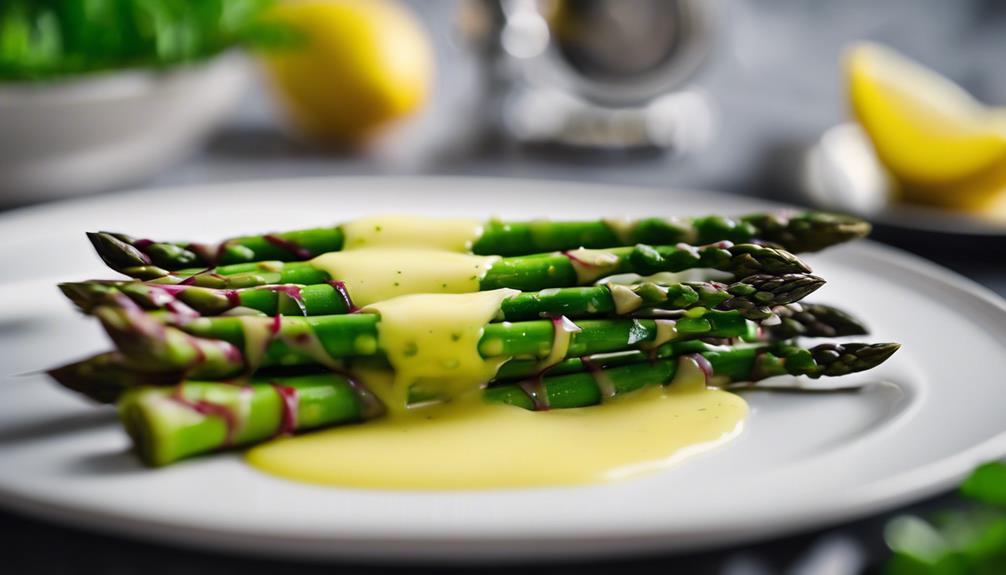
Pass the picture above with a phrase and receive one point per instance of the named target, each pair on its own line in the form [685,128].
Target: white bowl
[107,130]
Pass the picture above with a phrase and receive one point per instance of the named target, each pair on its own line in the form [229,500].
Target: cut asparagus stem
[525,273]
[222,347]
[168,424]
[797,232]
[753,296]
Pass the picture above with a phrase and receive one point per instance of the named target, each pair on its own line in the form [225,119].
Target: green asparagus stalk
[574,384]
[221,347]
[753,296]
[106,376]
[780,358]
[168,424]
[525,273]
[796,232]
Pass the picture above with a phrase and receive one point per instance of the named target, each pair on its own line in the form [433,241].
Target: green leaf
[987,484]
[949,564]
[43,39]
[916,538]
[968,542]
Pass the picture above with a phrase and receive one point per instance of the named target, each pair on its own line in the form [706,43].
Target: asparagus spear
[803,320]
[799,232]
[526,273]
[168,424]
[728,364]
[220,347]
[851,358]
[105,377]
[753,296]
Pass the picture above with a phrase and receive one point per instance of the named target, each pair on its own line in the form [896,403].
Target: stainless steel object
[598,73]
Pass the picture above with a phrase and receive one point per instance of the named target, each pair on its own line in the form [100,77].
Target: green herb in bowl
[46,39]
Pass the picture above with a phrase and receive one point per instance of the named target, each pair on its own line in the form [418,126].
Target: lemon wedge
[362,65]
[927,130]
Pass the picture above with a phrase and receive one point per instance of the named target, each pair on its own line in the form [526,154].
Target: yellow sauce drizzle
[590,265]
[468,444]
[667,330]
[377,274]
[562,336]
[622,228]
[432,342]
[259,332]
[399,231]
[626,300]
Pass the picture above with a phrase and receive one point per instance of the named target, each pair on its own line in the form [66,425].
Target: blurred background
[887,109]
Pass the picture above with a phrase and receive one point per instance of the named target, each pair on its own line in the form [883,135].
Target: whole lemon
[359,65]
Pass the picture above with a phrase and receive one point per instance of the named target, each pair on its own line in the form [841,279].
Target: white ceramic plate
[803,461]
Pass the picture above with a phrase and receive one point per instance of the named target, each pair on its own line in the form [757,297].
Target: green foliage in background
[969,542]
[43,39]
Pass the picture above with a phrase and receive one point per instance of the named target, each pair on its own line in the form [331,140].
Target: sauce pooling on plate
[468,444]
[431,341]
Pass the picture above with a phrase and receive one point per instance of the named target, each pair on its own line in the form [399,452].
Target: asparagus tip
[815,320]
[841,359]
[756,295]
[116,251]
[819,230]
[84,295]
[845,226]
[752,259]
[882,351]
[79,378]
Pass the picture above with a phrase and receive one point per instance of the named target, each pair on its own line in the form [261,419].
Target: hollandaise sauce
[457,441]
[411,231]
[376,274]
[468,444]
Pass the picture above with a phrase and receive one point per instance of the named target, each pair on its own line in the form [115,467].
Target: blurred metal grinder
[596,73]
